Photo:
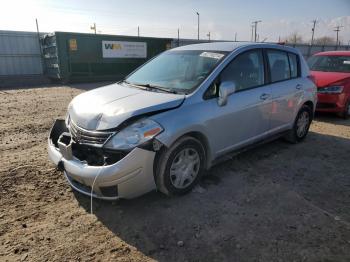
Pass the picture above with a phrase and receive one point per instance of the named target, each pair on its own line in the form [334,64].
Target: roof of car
[335,53]
[226,46]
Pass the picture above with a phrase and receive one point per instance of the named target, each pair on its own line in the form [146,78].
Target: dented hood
[107,107]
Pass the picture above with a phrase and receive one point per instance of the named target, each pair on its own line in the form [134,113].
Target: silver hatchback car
[175,116]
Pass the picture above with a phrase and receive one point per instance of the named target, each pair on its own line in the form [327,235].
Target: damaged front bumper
[128,177]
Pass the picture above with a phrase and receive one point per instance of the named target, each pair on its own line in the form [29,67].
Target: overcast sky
[223,18]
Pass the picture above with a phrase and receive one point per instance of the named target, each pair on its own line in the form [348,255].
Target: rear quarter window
[293,62]
[279,65]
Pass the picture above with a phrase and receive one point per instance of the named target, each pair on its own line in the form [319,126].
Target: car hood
[328,78]
[107,107]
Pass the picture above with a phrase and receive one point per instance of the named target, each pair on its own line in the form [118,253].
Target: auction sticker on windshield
[212,55]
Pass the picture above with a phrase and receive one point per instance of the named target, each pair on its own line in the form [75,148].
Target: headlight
[331,90]
[136,134]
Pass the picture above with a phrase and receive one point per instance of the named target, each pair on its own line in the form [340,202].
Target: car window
[212,91]
[279,65]
[246,70]
[177,70]
[293,62]
[332,63]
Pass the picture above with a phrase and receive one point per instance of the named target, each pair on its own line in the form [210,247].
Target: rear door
[246,115]
[286,88]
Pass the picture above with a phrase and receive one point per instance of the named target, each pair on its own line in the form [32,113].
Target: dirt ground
[277,202]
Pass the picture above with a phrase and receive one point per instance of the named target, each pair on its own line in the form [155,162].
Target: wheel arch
[204,141]
[310,104]
[201,138]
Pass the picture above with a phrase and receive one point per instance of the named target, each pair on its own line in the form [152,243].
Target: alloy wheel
[303,124]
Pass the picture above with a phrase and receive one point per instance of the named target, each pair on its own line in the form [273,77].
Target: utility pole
[255,24]
[236,37]
[198,24]
[337,29]
[93,28]
[37,31]
[251,37]
[208,35]
[178,37]
[41,51]
[313,31]
[312,37]
[138,31]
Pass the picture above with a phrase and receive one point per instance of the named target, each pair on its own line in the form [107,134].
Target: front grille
[96,156]
[83,136]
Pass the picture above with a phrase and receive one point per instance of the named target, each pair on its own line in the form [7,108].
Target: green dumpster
[79,57]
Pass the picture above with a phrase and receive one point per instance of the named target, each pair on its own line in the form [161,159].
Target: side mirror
[226,89]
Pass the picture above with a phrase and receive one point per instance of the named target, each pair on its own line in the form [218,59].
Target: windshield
[177,71]
[330,63]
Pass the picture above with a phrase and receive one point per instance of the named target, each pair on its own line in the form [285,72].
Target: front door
[245,117]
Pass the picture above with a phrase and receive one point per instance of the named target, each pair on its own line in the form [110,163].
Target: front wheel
[346,113]
[180,167]
[301,125]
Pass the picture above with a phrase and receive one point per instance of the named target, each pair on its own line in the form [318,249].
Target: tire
[301,125]
[346,113]
[170,176]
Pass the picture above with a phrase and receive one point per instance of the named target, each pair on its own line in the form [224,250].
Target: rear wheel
[301,125]
[180,167]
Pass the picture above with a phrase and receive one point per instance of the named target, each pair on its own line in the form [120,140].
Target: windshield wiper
[159,88]
[132,84]
[150,86]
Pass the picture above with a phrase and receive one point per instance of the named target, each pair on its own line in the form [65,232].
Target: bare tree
[324,40]
[294,38]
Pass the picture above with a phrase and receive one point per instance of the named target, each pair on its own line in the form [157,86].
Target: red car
[331,72]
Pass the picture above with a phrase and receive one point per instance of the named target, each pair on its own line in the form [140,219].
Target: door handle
[298,86]
[264,96]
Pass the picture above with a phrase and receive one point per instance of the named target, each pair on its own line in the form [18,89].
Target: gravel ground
[277,202]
